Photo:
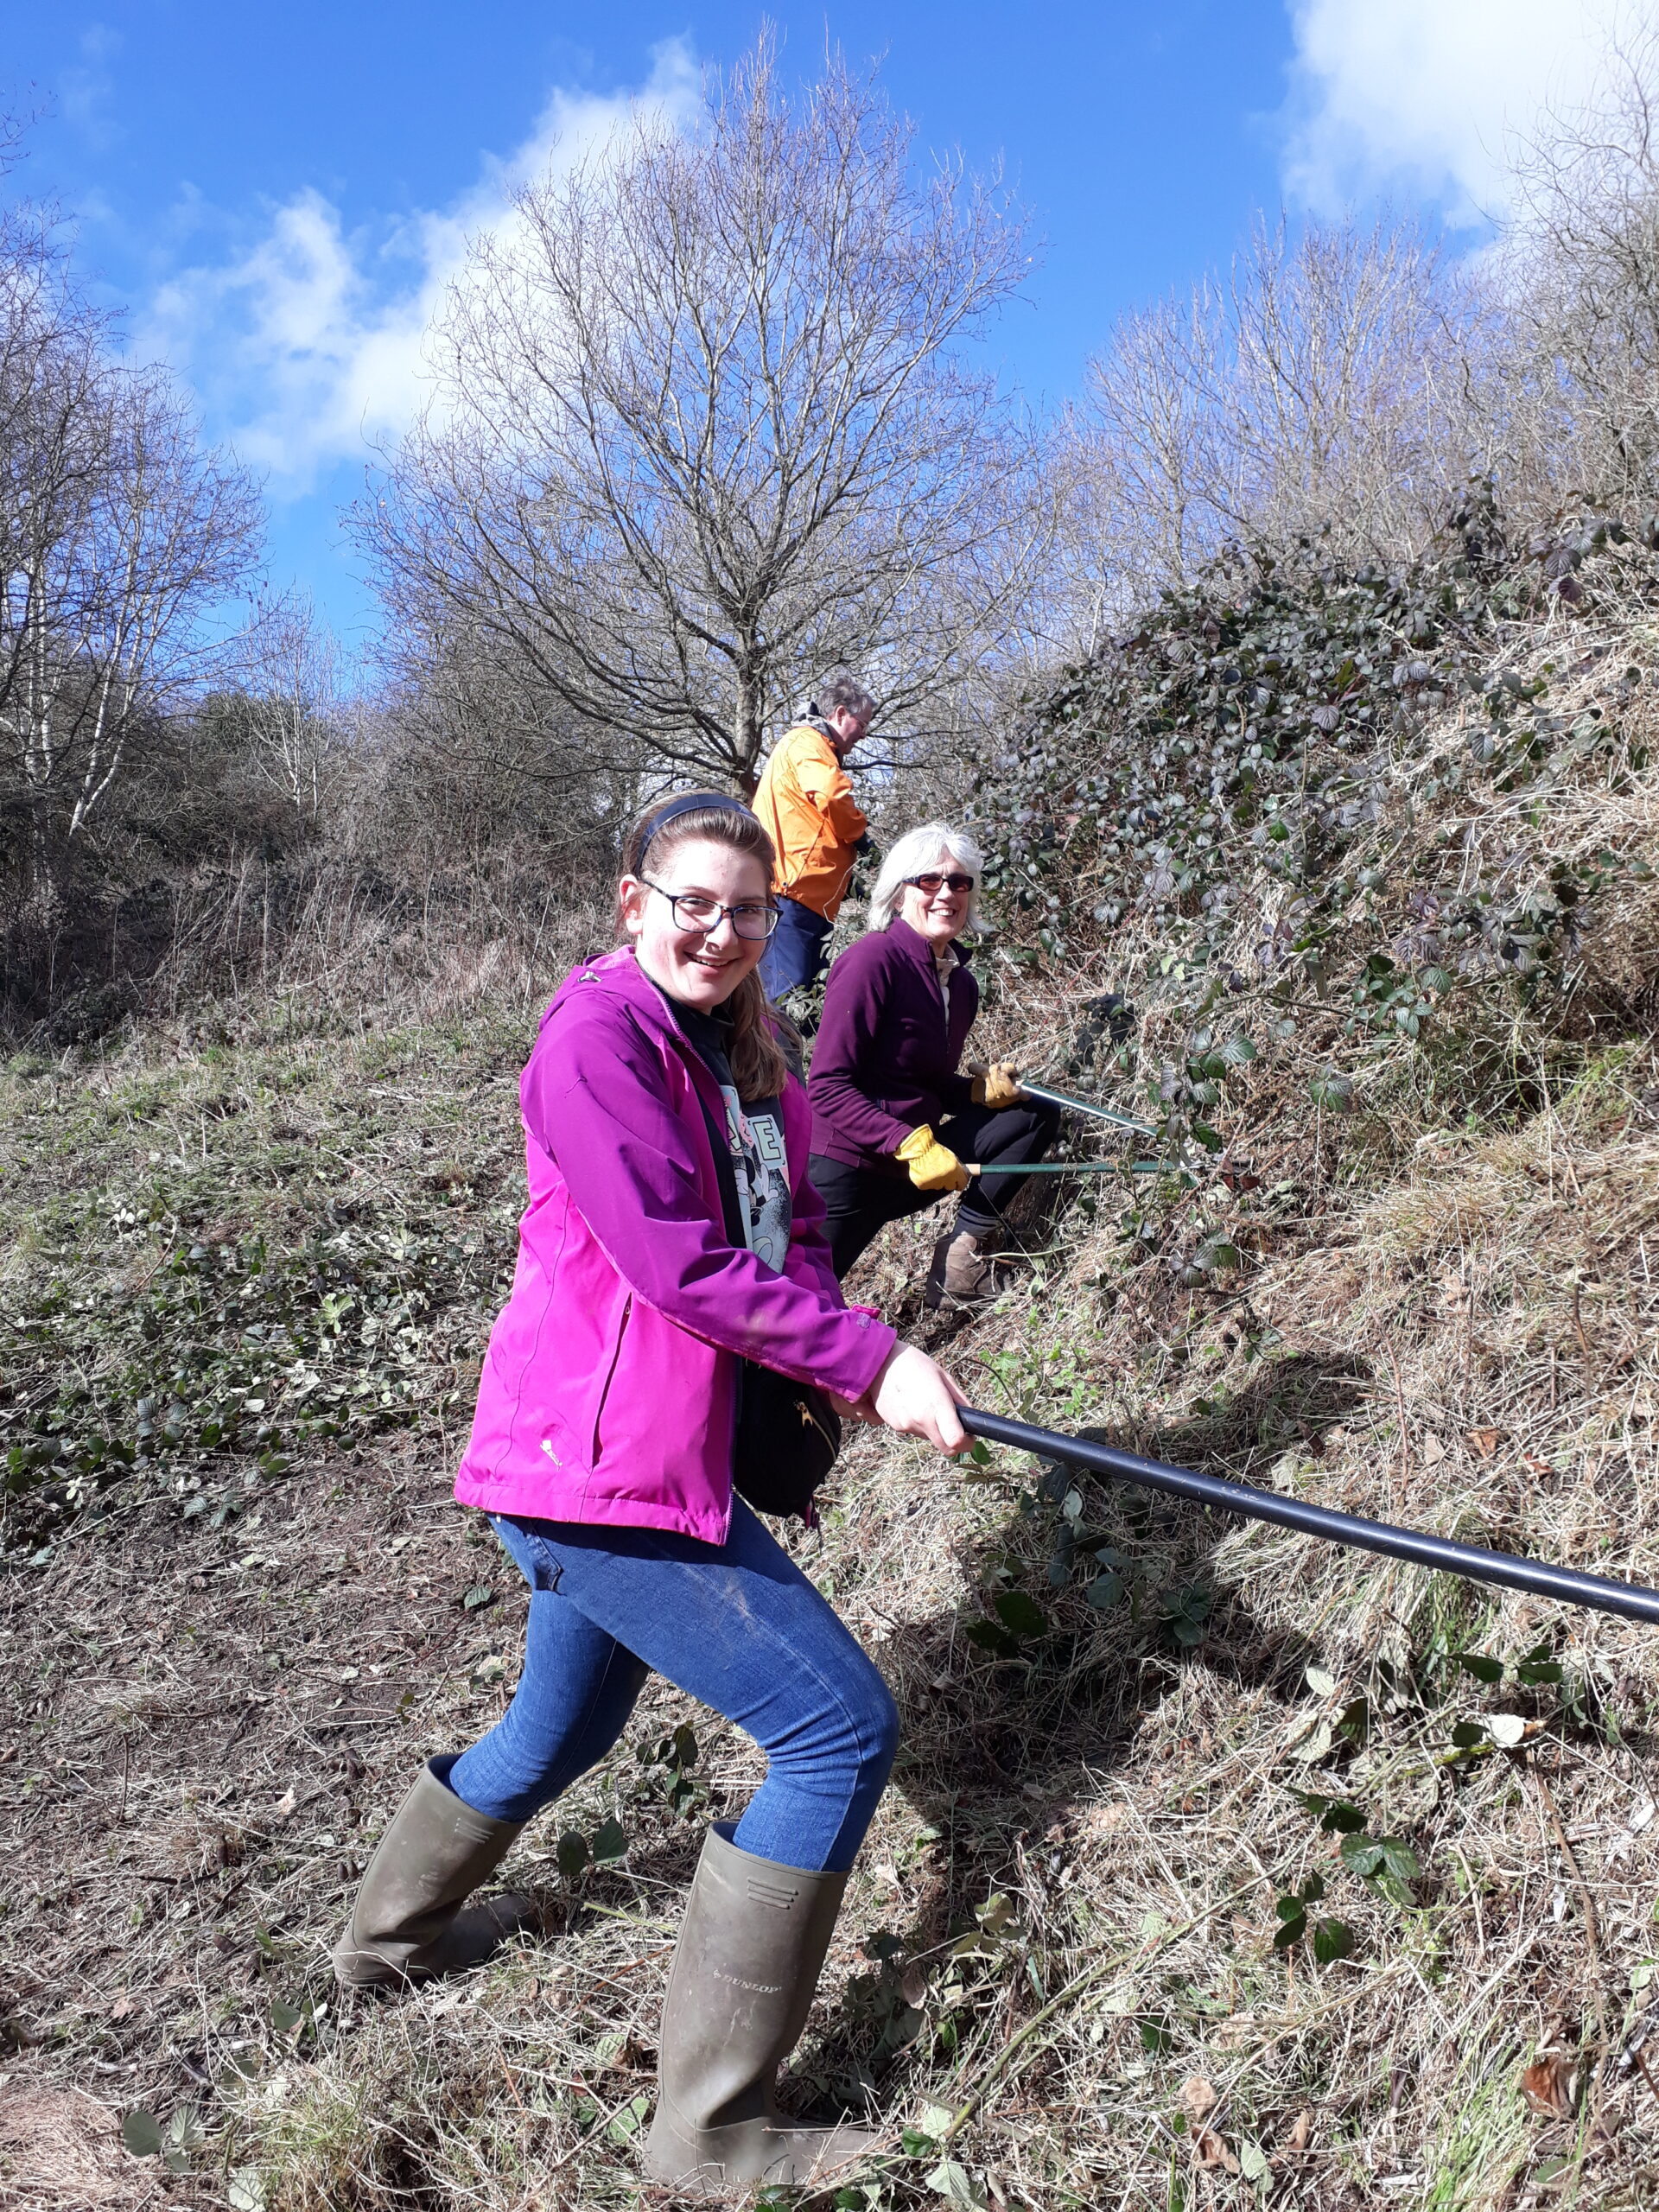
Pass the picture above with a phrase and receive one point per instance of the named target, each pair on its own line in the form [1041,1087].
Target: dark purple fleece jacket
[885,1057]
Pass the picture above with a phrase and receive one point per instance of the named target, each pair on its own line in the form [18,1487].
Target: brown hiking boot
[407,1922]
[746,1969]
[961,1272]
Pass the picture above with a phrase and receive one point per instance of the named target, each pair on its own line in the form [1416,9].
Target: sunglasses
[932,882]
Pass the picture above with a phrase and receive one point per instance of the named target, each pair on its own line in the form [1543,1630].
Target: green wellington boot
[745,1972]
[407,1923]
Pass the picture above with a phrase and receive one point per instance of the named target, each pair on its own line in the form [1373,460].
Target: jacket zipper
[610,1374]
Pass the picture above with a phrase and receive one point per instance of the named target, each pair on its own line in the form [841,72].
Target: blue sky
[274,197]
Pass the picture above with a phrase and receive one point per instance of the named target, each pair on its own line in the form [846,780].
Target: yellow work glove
[998,1084]
[933,1166]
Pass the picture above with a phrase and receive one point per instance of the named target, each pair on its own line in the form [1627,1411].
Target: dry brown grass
[61,2151]
[331,938]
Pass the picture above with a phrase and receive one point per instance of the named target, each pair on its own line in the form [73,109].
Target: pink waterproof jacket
[609,1387]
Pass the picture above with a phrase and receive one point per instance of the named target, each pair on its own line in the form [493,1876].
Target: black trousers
[860,1201]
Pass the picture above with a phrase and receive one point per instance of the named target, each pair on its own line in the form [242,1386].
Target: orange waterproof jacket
[805,800]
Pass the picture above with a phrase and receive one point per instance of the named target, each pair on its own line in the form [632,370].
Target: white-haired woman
[893,1115]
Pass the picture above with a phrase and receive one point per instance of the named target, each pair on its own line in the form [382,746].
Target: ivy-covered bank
[1338,829]
[1337,780]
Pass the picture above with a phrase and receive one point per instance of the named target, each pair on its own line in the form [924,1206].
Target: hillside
[1220,1867]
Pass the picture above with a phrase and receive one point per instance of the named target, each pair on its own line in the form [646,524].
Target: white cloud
[86,88]
[1426,95]
[309,346]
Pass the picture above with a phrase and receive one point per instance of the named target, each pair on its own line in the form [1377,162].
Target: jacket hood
[619,975]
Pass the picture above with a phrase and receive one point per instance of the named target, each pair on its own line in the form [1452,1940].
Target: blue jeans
[738,1626]
[794,953]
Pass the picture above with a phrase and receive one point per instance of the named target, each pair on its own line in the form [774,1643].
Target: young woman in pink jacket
[672,1249]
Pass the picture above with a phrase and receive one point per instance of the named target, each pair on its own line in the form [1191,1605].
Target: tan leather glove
[998,1084]
[933,1166]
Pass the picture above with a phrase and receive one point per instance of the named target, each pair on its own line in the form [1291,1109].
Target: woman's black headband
[688,803]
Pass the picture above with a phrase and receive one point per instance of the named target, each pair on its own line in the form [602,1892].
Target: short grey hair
[840,689]
[916,852]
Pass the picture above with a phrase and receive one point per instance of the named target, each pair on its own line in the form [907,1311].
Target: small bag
[788,1439]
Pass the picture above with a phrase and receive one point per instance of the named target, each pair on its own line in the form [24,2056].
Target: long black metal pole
[1543,1580]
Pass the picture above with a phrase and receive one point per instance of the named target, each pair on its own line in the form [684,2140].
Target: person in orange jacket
[805,800]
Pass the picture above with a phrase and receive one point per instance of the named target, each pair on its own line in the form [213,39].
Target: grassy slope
[1058,1946]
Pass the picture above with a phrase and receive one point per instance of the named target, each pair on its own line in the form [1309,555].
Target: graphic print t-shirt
[754,1169]
[756,1138]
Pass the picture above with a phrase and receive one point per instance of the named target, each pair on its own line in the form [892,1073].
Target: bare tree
[1580,260]
[703,424]
[117,532]
[297,704]
[478,750]
[1337,380]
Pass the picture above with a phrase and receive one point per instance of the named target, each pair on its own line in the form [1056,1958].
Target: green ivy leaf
[1253,2163]
[956,2186]
[1376,1857]
[990,1639]
[624,2125]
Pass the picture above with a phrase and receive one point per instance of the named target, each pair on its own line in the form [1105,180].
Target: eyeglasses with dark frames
[752,918]
[931,881]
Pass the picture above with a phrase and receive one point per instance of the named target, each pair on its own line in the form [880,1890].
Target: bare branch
[705,425]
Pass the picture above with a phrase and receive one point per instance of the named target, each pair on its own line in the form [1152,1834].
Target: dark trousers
[859,1201]
[794,953]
